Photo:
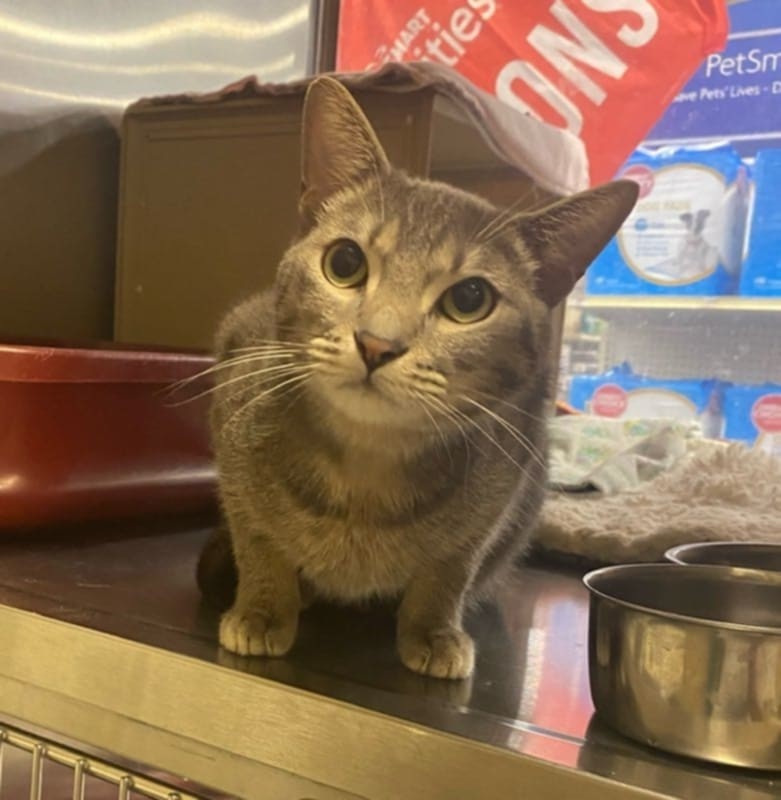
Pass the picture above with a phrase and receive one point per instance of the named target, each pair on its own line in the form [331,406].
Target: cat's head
[420,302]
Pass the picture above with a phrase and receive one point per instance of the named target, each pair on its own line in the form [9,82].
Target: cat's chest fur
[355,534]
[352,560]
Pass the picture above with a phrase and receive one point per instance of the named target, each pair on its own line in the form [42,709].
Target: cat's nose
[375,351]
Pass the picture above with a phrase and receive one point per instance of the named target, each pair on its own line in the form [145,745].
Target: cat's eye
[469,300]
[344,264]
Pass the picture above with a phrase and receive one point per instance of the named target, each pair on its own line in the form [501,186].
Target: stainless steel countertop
[159,682]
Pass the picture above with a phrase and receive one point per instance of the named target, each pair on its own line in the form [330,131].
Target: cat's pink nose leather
[375,351]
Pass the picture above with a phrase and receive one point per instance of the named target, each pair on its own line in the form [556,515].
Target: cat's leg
[264,617]
[430,635]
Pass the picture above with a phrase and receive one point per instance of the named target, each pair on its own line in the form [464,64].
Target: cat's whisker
[432,400]
[471,422]
[294,392]
[266,348]
[437,427]
[300,330]
[486,232]
[261,378]
[237,415]
[500,228]
[542,203]
[492,439]
[537,483]
[496,230]
[513,406]
[235,419]
[316,344]
[269,344]
[449,414]
[250,391]
[180,384]
[501,225]
[238,378]
[501,215]
[221,366]
[249,354]
[519,437]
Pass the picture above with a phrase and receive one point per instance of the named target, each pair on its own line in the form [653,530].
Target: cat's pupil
[346,260]
[469,295]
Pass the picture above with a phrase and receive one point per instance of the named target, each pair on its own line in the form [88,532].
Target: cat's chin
[365,404]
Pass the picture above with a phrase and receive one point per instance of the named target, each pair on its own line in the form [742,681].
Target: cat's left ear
[568,235]
[339,146]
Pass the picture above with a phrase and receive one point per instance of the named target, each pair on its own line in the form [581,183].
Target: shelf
[137,671]
[766,305]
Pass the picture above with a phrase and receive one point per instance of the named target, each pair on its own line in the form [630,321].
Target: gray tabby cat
[378,421]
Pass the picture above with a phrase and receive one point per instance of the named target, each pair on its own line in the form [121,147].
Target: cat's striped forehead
[401,208]
[431,225]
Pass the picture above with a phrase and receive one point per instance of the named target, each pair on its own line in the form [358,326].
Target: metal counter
[104,642]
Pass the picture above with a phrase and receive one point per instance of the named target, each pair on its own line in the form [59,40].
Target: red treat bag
[603,69]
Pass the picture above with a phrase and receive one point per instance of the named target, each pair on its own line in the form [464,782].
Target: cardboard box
[209,196]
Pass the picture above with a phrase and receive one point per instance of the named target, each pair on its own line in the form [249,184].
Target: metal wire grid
[128,784]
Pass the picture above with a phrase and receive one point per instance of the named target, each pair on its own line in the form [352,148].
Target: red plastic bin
[91,433]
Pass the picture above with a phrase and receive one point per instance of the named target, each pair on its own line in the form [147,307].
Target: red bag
[604,69]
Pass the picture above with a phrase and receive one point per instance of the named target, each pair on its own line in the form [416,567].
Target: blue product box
[761,276]
[620,393]
[753,416]
[685,235]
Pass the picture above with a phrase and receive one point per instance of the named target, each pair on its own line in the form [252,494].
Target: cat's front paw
[445,652]
[257,633]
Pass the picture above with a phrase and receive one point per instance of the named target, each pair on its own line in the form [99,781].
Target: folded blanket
[716,492]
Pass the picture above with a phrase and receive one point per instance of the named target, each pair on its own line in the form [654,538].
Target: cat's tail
[216,572]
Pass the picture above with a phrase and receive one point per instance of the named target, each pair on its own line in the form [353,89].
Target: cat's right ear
[568,235]
[339,146]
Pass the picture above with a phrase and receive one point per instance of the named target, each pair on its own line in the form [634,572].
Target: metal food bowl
[749,555]
[688,659]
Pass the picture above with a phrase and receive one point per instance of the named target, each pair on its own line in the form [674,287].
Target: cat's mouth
[364,382]
[365,388]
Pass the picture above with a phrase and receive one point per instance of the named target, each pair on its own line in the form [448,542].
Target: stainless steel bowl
[749,555]
[688,659]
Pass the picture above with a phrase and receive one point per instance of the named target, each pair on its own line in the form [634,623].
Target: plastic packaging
[753,416]
[622,394]
[605,70]
[761,275]
[685,235]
